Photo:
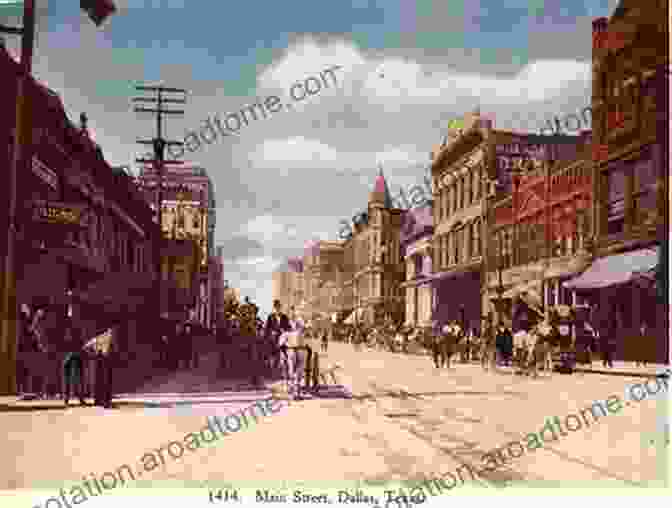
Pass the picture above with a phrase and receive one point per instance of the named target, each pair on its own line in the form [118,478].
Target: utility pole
[159,144]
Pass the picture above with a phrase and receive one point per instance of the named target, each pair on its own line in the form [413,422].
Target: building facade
[217,287]
[416,248]
[186,216]
[288,285]
[631,165]
[373,267]
[474,167]
[541,237]
[85,233]
[322,276]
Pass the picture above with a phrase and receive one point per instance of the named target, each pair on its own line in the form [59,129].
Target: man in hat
[276,324]
[72,369]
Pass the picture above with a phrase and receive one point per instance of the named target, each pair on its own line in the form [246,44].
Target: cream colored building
[416,245]
[288,284]
[323,276]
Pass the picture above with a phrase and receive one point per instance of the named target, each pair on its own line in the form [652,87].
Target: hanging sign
[59,213]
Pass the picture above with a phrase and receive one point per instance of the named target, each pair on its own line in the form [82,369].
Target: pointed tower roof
[381,191]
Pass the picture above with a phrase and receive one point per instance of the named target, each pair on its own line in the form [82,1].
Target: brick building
[473,168]
[372,262]
[630,176]
[85,238]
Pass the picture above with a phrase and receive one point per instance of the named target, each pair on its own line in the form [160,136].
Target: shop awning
[419,281]
[615,270]
[440,276]
[531,287]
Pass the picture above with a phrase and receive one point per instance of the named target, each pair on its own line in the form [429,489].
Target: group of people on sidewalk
[65,368]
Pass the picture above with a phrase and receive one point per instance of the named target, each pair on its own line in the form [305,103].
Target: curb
[665,374]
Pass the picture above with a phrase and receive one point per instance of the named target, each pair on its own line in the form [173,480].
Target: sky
[403,70]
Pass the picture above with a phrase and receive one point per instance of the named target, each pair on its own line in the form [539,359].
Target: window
[467,189]
[444,251]
[130,255]
[450,206]
[417,262]
[456,246]
[508,247]
[644,197]
[476,238]
[616,200]
[476,184]
[460,194]
[465,233]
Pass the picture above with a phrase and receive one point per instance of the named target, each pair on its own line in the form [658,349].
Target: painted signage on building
[59,213]
[516,157]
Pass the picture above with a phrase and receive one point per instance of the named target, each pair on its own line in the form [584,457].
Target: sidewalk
[625,369]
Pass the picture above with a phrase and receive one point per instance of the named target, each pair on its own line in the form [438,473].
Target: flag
[98,10]
[456,123]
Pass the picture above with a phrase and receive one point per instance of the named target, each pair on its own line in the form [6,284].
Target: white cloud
[405,82]
[297,153]
[260,264]
[307,58]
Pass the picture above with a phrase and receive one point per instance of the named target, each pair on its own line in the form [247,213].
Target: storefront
[627,306]
[457,296]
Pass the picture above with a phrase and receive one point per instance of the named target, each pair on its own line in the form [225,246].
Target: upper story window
[645,195]
[455,255]
[459,190]
[476,184]
[476,238]
[468,190]
[616,185]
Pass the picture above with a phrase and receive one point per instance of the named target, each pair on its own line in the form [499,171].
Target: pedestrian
[72,370]
[187,346]
[449,343]
[325,342]
[103,348]
[436,341]
[606,344]
[508,346]
[164,351]
[640,351]
[276,324]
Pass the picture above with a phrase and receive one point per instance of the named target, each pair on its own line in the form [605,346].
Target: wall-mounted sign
[59,213]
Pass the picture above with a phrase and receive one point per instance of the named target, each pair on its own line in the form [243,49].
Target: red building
[540,233]
[85,232]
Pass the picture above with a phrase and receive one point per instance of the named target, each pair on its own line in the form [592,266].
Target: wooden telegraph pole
[159,144]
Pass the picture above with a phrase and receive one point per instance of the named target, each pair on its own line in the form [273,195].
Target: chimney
[586,135]
[599,33]
[600,25]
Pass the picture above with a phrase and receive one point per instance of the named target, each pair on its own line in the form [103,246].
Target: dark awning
[615,270]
